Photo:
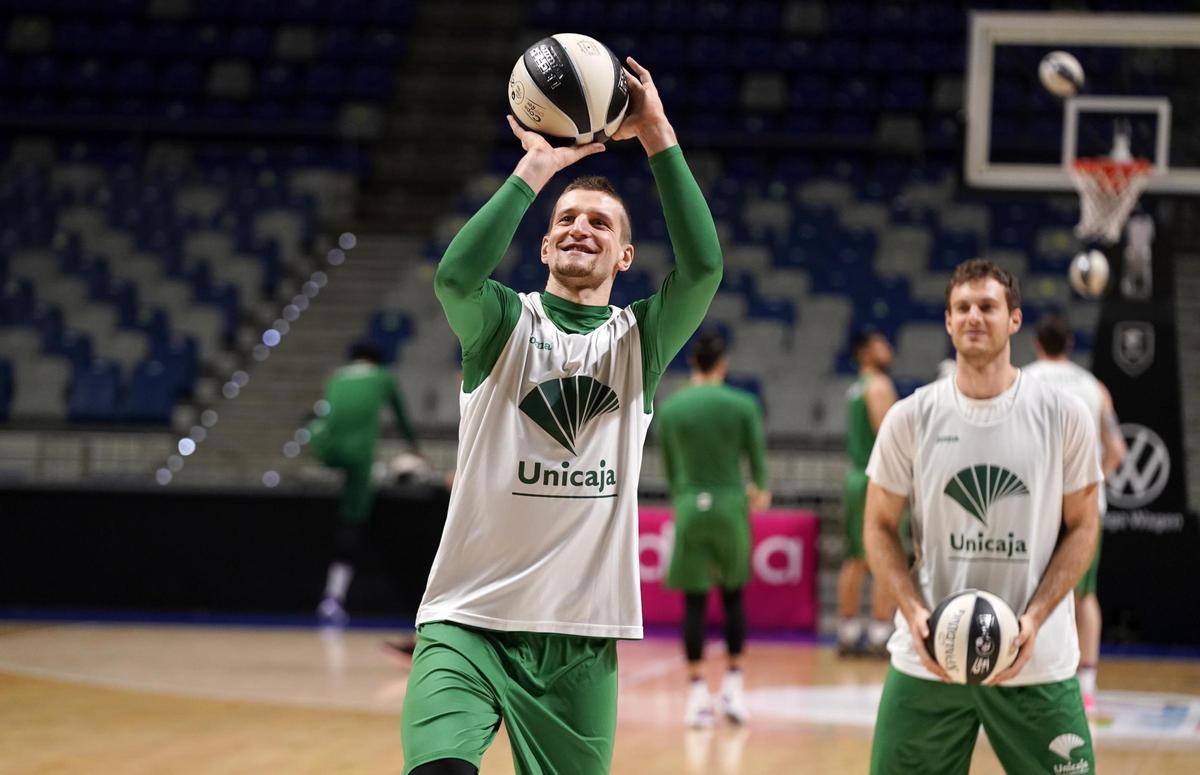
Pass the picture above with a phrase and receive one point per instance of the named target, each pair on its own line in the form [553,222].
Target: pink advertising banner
[782,593]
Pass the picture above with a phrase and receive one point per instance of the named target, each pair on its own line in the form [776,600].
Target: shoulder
[880,385]
[904,416]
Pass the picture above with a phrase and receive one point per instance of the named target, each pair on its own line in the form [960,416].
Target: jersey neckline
[986,411]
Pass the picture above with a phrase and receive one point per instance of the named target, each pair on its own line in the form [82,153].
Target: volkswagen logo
[1144,471]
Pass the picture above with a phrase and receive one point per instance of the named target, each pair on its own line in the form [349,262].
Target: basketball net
[1108,188]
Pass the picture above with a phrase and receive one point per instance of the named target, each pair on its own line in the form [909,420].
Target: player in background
[1000,471]
[345,439]
[537,572]
[1053,343]
[705,431]
[868,399]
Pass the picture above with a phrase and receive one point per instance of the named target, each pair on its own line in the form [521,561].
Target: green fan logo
[563,407]
[976,488]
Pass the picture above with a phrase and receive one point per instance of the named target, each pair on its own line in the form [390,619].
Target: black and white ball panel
[971,635]
[569,86]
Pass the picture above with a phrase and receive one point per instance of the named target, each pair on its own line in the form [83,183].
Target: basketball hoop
[1108,190]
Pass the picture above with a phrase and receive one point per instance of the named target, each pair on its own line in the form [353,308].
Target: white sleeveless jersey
[985,482]
[541,534]
[1078,381]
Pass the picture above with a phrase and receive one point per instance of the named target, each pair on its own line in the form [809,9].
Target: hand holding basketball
[646,119]
[918,626]
[541,159]
[1024,642]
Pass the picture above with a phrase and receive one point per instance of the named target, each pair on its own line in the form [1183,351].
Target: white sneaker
[331,614]
[699,707]
[733,698]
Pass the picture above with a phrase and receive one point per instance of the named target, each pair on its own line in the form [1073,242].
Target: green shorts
[931,727]
[1088,584]
[712,541]
[854,506]
[556,694]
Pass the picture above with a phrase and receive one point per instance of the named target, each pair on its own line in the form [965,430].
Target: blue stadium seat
[94,393]
[747,382]
[6,388]
[388,331]
[151,394]
[952,248]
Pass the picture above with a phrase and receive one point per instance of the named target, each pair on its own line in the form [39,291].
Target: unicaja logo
[976,488]
[1063,746]
[564,407]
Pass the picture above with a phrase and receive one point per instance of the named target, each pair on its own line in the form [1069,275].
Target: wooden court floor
[89,698]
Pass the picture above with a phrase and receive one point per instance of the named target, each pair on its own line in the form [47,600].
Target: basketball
[1061,73]
[1089,273]
[971,635]
[570,88]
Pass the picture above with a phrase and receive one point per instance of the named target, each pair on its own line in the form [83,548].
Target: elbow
[446,286]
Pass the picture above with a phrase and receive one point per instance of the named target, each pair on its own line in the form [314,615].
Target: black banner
[215,552]
[1151,541]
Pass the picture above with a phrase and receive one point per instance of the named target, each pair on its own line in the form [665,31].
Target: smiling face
[588,240]
[979,320]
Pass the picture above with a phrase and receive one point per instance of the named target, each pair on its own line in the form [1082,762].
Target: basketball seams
[554,121]
[571,96]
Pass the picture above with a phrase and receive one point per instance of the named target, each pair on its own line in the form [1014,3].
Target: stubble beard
[979,357]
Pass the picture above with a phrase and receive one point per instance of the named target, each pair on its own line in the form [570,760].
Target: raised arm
[672,314]
[482,313]
[460,283]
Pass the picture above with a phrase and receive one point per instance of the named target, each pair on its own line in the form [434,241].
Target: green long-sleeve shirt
[483,312]
[704,431]
[356,394]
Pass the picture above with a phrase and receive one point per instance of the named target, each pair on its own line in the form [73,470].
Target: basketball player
[537,573]
[1053,345]
[943,450]
[345,439]
[705,430]
[869,398]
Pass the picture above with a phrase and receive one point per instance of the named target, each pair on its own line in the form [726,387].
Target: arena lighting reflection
[261,351]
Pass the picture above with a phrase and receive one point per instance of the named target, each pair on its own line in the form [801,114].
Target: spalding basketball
[972,636]
[1061,73]
[569,87]
[1088,273]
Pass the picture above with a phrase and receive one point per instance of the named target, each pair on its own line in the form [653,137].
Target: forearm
[677,309]
[1070,560]
[885,556]
[689,222]
[474,254]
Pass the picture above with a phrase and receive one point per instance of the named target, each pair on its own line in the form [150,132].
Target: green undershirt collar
[574,318]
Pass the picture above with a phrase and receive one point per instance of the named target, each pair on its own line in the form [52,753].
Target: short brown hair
[980,269]
[1053,335]
[604,186]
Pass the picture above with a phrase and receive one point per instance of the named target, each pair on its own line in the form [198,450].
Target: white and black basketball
[570,88]
[972,636]
[1088,273]
[1061,73]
